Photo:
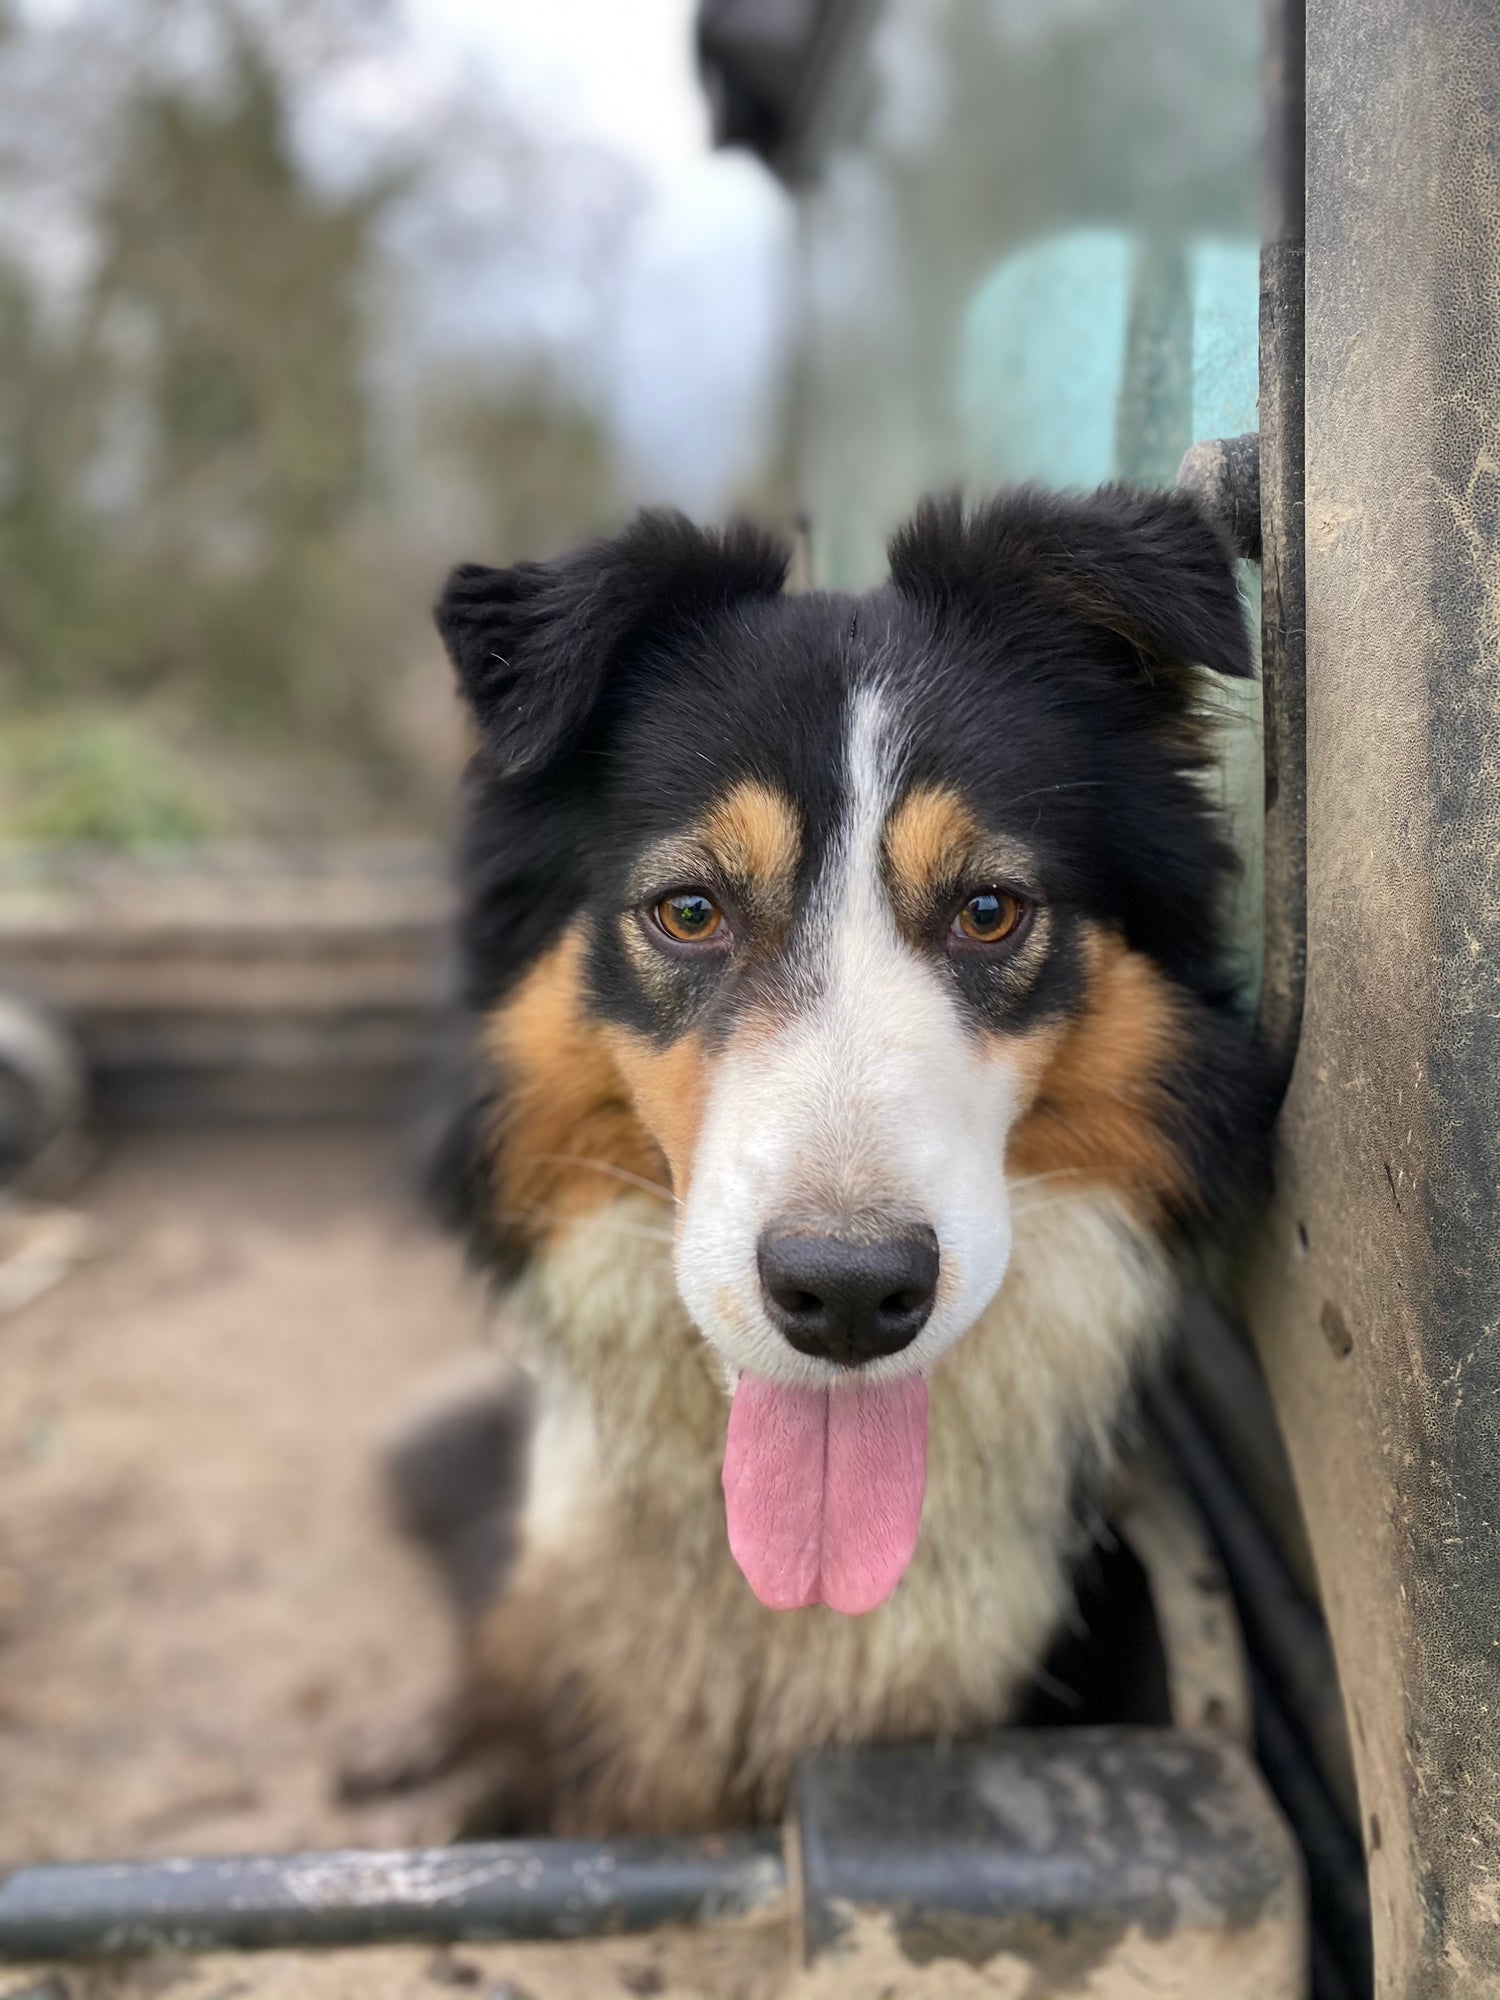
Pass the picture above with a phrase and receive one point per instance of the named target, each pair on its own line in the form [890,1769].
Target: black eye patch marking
[972,898]
[701,911]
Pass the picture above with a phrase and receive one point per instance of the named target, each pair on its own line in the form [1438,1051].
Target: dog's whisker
[607,1167]
[1025,1208]
[1067,785]
[597,1219]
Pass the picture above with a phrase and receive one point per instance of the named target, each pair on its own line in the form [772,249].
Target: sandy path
[199,1596]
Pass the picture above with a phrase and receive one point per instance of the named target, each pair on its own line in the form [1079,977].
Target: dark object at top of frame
[762,62]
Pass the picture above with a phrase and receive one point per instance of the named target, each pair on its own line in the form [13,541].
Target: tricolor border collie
[856,1060]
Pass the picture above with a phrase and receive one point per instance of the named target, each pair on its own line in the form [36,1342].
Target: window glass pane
[1030,251]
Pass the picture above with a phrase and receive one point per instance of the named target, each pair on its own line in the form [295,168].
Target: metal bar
[1280,1625]
[1224,473]
[1222,1380]
[512,1891]
[1299,1720]
[1338,1896]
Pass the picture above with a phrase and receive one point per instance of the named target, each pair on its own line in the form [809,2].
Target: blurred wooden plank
[236,982]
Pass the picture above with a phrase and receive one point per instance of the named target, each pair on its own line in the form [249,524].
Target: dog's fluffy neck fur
[625,1586]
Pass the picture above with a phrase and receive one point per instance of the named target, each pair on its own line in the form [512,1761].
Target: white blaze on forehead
[851,909]
[871,1099]
[872,769]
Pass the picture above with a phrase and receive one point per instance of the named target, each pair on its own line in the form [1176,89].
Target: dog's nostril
[847,1301]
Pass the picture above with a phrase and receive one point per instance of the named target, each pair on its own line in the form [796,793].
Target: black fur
[1148,566]
[536,646]
[457,1481]
[1094,617]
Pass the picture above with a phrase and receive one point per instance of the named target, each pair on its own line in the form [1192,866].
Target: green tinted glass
[1030,252]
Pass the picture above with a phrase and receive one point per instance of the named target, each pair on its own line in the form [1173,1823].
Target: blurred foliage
[82,775]
[203,511]
[540,466]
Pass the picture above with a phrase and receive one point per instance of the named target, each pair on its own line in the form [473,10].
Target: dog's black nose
[845,1301]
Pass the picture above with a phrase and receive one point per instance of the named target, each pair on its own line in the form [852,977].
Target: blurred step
[235,983]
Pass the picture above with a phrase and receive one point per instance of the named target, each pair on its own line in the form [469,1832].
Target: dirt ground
[201,1600]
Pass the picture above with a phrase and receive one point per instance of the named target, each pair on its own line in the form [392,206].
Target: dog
[857,1068]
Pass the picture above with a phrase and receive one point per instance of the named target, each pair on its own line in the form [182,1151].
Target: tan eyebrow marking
[933,842]
[929,839]
[754,834]
[750,839]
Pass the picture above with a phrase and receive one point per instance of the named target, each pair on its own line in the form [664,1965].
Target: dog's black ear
[535,645]
[1147,566]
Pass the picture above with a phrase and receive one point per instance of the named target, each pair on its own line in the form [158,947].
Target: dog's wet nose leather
[845,1301]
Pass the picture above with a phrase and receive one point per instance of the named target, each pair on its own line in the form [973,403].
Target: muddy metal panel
[1377,1296]
[1120,1863]
[1135,1862]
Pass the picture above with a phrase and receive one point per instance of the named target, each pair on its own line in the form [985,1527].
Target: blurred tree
[216,495]
[184,459]
[244,288]
[538,462]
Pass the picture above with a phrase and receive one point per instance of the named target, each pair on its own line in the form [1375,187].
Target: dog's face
[852,912]
[829,982]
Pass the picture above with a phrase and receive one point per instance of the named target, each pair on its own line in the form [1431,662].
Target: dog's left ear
[536,646]
[1146,566]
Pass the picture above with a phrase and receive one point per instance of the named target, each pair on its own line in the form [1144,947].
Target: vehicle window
[1030,250]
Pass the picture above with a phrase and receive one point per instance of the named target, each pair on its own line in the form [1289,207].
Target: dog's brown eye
[990,917]
[688,918]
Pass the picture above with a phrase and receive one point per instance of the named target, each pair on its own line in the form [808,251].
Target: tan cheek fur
[669,1085]
[569,1136]
[585,1104]
[1097,1085]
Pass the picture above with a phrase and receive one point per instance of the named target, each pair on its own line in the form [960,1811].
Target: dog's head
[851,911]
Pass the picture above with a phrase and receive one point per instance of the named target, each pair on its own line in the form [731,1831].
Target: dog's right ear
[535,646]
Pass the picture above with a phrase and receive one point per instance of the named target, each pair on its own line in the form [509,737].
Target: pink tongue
[824,1489]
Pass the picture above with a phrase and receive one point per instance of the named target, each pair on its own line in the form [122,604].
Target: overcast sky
[653,267]
[687,337]
[701,307]
[617,71]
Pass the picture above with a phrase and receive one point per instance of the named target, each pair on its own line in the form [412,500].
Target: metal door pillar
[1375,1297]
